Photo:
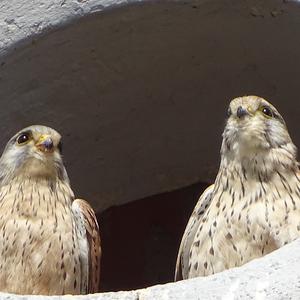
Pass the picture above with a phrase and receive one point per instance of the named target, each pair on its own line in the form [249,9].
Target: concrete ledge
[275,276]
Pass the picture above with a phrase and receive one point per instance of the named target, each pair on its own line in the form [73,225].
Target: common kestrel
[253,207]
[49,242]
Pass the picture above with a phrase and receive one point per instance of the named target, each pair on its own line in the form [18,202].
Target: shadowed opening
[141,239]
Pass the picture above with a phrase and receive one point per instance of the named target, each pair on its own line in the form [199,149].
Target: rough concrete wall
[274,277]
[23,20]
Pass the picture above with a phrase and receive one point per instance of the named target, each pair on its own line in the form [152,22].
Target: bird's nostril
[241,112]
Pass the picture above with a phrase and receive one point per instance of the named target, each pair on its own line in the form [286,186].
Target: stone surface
[274,277]
[21,20]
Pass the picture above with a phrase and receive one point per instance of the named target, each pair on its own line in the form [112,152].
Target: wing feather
[94,243]
[182,263]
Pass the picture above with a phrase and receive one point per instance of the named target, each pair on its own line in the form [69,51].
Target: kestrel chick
[253,207]
[49,242]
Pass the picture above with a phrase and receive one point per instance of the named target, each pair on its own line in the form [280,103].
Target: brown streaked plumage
[253,207]
[49,242]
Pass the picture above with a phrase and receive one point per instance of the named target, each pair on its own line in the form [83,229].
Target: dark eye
[228,113]
[23,138]
[59,146]
[267,111]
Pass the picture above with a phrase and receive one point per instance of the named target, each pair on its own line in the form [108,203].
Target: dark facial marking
[278,117]
[228,113]
[60,146]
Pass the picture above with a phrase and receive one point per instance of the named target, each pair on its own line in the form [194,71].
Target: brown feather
[94,242]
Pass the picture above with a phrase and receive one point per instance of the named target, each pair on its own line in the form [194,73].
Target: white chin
[250,144]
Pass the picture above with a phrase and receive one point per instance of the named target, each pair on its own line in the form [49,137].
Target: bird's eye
[59,146]
[229,112]
[267,111]
[23,138]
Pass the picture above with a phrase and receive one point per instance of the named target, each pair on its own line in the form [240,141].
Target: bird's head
[34,151]
[254,128]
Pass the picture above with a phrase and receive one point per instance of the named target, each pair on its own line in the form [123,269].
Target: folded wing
[89,221]
[182,263]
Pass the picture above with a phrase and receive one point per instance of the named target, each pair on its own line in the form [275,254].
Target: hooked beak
[241,112]
[45,144]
